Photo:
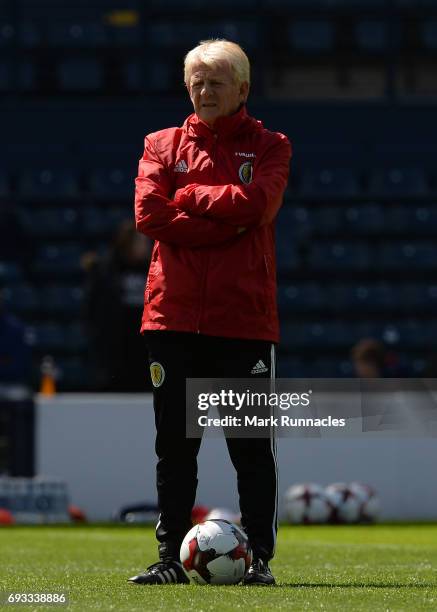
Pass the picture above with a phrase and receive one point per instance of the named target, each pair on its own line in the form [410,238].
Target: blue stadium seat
[302,335]
[17,76]
[292,367]
[48,336]
[151,77]
[409,333]
[424,220]
[6,76]
[364,219]
[76,34]
[10,272]
[418,297]
[311,36]
[324,4]
[80,74]
[74,373]
[195,5]
[48,184]
[398,219]
[286,256]
[371,36]
[188,33]
[429,35]
[340,255]
[327,220]
[330,182]
[75,337]
[300,298]
[407,255]
[52,222]
[58,260]
[112,183]
[7,32]
[398,182]
[103,222]
[29,34]
[61,299]
[366,297]
[131,35]
[94,221]
[27,76]
[293,222]
[22,298]
[4,184]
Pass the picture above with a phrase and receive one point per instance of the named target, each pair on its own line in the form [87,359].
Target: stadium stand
[356,250]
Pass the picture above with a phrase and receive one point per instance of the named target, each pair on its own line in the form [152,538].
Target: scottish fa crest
[245,172]
[157,374]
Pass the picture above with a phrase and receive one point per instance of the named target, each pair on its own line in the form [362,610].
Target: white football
[216,552]
[370,506]
[346,503]
[307,504]
[223,514]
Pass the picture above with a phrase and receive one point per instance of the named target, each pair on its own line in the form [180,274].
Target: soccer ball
[369,507]
[307,503]
[216,552]
[223,514]
[345,501]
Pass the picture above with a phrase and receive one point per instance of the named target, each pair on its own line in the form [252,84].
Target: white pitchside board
[102,445]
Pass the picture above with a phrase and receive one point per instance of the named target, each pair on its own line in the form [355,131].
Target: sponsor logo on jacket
[181,166]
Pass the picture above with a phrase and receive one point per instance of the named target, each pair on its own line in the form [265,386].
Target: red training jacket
[209,198]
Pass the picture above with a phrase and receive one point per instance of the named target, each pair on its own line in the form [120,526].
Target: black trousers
[185,355]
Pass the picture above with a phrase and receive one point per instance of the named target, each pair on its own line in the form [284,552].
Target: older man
[208,194]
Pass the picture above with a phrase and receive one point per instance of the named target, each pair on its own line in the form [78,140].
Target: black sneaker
[163,572]
[259,574]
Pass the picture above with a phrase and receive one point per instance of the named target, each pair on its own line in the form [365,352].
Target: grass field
[382,567]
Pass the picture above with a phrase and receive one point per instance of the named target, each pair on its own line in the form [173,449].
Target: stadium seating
[311,36]
[356,249]
[112,183]
[47,184]
[71,34]
[330,182]
[58,260]
[398,182]
[429,35]
[80,74]
[372,36]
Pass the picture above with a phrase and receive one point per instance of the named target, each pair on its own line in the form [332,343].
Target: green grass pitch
[381,567]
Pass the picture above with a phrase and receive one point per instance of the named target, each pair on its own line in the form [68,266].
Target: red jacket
[209,197]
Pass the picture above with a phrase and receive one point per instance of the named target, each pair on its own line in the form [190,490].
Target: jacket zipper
[206,264]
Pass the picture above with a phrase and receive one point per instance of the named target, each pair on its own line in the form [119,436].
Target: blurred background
[353,84]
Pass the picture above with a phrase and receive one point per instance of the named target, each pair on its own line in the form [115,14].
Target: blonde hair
[211,52]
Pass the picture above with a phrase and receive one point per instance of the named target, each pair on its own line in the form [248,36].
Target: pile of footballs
[338,503]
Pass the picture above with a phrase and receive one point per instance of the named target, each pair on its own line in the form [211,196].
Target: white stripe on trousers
[273,443]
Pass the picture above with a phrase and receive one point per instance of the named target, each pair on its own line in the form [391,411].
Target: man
[208,194]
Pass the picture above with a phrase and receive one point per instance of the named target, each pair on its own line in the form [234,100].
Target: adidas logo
[259,368]
[181,166]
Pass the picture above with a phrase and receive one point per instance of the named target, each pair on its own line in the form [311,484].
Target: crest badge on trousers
[157,374]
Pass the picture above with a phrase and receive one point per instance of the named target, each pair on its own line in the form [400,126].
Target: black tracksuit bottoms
[187,355]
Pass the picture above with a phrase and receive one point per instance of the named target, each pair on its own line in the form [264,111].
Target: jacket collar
[223,126]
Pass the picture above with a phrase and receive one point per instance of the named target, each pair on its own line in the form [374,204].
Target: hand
[182,196]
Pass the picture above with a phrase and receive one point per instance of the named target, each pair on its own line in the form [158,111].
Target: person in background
[372,359]
[368,358]
[114,296]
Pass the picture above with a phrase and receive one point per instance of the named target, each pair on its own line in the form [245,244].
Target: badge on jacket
[245,172]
